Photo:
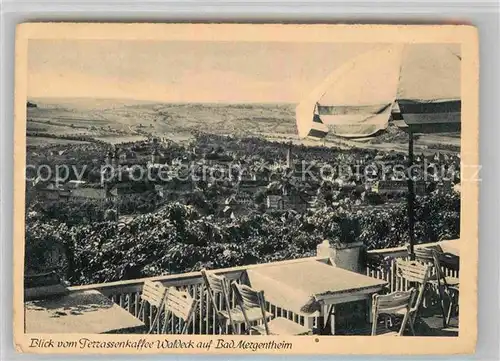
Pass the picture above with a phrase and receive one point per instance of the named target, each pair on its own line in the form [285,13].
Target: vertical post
[289,155]
[369,309]
[309,323]
[411,198]
[332,321]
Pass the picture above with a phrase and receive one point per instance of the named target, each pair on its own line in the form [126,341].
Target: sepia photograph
[243,187]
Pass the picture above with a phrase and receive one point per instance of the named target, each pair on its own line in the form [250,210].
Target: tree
[110,215]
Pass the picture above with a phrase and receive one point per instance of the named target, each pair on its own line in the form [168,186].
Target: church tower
[109,158]
[289,155]
[155,156]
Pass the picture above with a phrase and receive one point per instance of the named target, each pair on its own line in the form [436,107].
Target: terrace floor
[430,323]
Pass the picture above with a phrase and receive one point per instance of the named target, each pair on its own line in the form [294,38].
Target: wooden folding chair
[439,280]
[454,292]
[436,257]
[154,294]
[450,284]
[252,303]
[426,256]
[393,304]
[416,273]
[219,286]
[179,304]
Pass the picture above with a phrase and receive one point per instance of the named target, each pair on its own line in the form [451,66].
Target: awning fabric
[418,85]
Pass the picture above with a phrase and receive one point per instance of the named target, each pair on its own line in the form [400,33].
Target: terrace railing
[127,294]
[386,270]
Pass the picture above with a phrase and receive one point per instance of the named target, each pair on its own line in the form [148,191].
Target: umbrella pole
[411,198]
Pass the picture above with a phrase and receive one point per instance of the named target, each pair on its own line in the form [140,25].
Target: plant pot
[348,257]
[345,256]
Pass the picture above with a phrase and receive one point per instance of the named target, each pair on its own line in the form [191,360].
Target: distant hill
[86,103]
[112,119]
[117,118]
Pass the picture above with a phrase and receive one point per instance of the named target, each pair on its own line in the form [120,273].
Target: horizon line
[159,101]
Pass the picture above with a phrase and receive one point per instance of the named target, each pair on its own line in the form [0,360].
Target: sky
[226,72]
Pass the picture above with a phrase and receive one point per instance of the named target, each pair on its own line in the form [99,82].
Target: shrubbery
[179,239]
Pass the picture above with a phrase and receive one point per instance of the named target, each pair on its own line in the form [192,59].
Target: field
[40,141]
[121,139]
[118,121]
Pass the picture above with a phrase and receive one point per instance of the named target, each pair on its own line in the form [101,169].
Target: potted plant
[343,249]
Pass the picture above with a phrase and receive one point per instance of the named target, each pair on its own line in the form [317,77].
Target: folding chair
[179,304]
[219,286]
[450,284]
[439,280]
[154,294]
[426,256]
[454,294]
[252,303]
[418,273]
[393,304]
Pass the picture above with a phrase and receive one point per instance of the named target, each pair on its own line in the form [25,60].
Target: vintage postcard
[246,188]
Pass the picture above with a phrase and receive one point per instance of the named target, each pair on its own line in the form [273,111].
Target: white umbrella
[418,85]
